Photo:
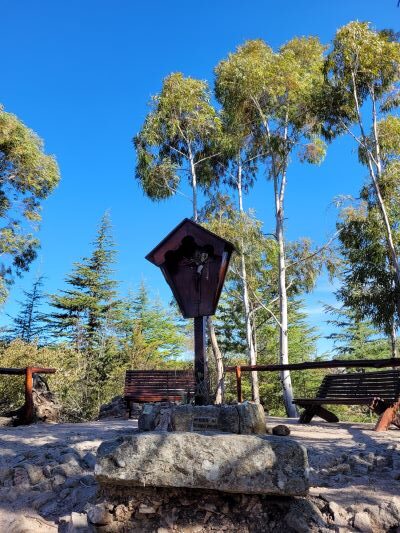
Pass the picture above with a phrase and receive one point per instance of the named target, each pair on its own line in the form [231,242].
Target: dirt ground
[350,464]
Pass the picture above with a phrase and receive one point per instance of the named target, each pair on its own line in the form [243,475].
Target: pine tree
[85,314]
[30,323]
[149,335]
[355,338]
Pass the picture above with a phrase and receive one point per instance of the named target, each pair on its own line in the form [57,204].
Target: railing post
[28,415]
[239,384]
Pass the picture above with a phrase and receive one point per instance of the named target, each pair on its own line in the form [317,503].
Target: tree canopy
[27,176]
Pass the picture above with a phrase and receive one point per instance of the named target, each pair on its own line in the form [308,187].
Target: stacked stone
[53,481]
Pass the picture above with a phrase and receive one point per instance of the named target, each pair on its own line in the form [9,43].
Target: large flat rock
[230,463]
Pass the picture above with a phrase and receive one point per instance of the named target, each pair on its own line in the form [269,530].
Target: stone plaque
[203,423]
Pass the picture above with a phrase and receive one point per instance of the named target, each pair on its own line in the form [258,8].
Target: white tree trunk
[286,381]
[393,340]
[375,171]
[251,352]
[194,184]
[220,391]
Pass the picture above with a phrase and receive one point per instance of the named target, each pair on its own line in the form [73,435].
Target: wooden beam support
[387,417]
[239,384]
[353,363]
[28,407]
[200,369]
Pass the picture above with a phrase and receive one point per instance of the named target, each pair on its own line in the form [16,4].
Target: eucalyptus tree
[237,166]
[244,231]
[175,139]
[27,176]
[276,91]
[363,75]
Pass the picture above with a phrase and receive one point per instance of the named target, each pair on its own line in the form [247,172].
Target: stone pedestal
[223,462]
[245,418]
[202,482]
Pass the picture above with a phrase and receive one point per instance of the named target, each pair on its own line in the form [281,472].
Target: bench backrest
[384,384]
[158,385]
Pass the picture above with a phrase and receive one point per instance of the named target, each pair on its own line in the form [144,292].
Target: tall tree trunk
[251,352]
[220,391]
[194,183]
[393,339]
[375,171]
[286,381]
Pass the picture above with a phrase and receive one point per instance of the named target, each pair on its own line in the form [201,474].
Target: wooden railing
[28,372]
[308,365]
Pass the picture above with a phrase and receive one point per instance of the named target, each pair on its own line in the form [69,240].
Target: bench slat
[158,385]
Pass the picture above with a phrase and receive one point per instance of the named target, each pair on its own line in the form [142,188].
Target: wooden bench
[143,386]
[378,390]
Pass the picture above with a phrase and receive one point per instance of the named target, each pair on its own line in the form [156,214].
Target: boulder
[182,418]
[281,430]
[117,408]
[251,418]
[222,462]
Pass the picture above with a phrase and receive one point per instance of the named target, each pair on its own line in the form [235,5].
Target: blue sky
[80,73]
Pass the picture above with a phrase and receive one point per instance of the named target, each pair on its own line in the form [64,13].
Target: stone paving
[46,471]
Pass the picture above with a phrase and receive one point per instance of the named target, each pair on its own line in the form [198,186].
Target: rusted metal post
[239,384]
[28,395]
[387,417]
[200,369]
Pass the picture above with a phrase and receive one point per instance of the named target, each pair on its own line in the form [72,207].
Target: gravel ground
[349,462]
[46,471]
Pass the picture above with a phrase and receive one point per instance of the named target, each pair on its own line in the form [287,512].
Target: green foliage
[355,339]
[178,131]
[368,281]
[83,312]
[67,382]
[272,95]
[30,325]
[363,63]
[27,176]
[149,335]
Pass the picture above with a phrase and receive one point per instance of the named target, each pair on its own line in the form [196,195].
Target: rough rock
[30,524]
[78,523]
[281,430]
[99,515]
[251,418]
[362,522]
[222,462]
[161,510]
[117,408]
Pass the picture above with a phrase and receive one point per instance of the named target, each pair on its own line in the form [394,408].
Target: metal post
[200,370]
[239,384]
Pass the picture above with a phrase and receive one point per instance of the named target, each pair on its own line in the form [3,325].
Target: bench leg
[387,417]
[317,410]
[307,415]
[129,406]
[326,414]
